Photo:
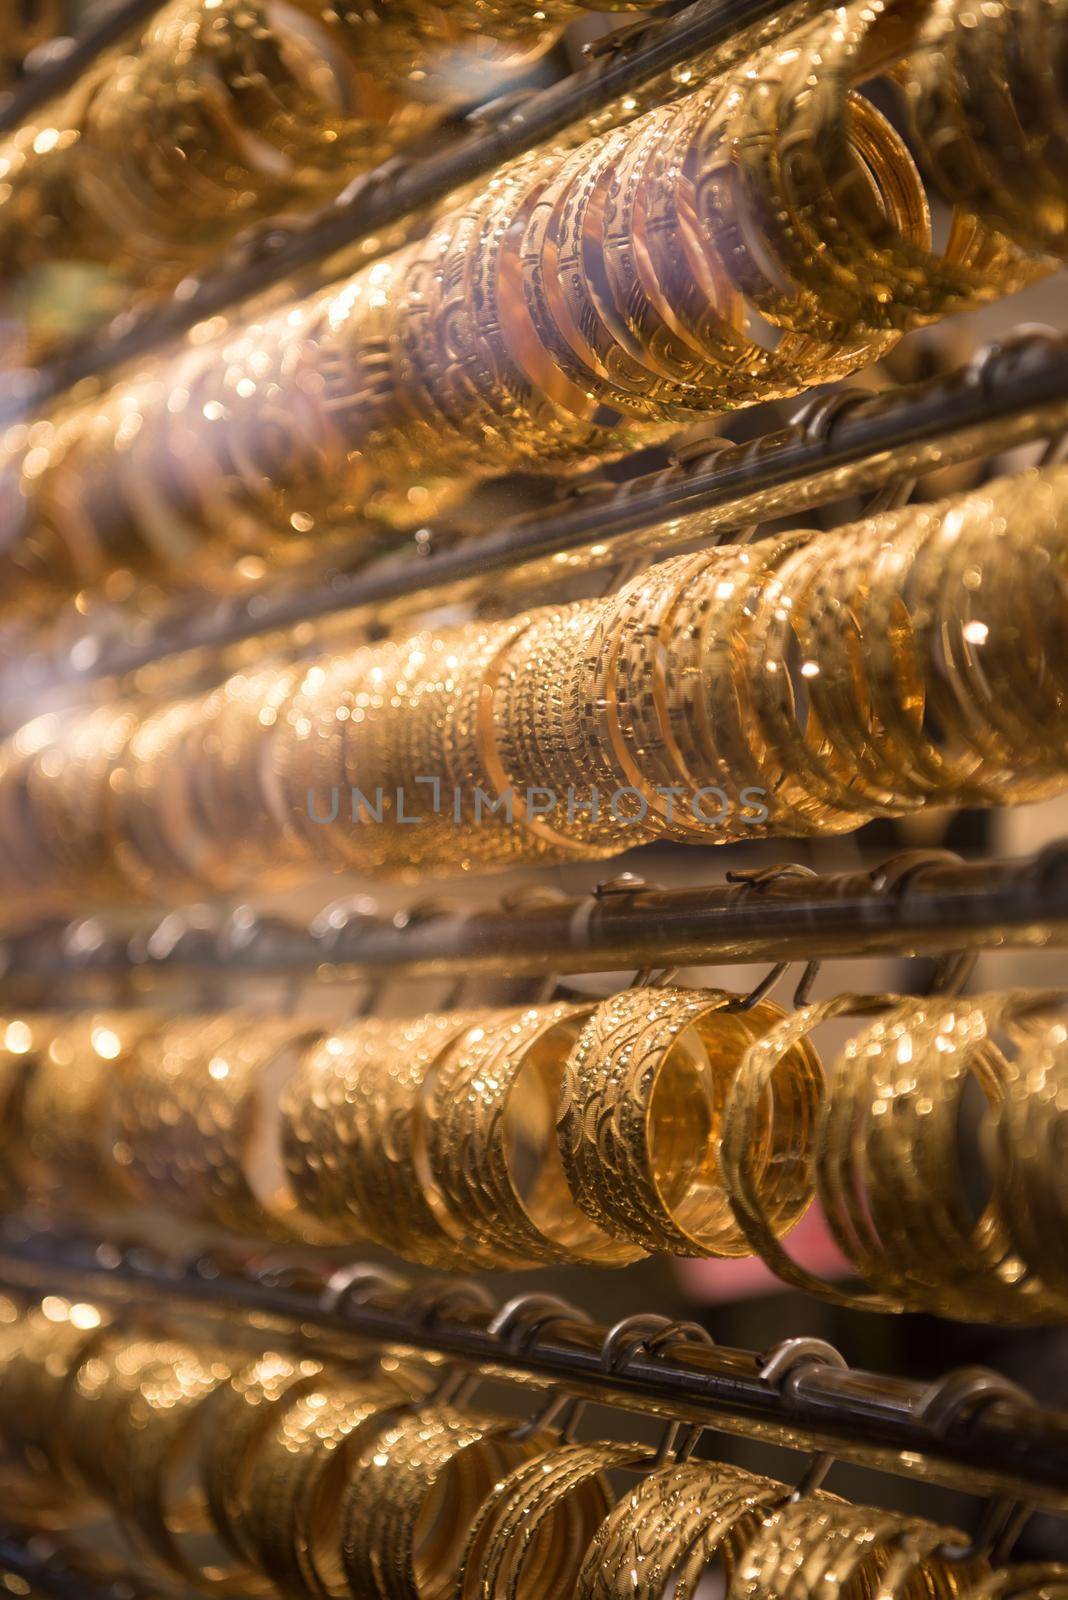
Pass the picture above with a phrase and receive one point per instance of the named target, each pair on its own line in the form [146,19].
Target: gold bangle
[196,1123]
[741,1138]
[435,1456]
[66,1117]
[299,1478]
[1030,1186]
[641,1110]
[663,1536]
[852,1551]
[41,1351]
[516,1060]
[532,1530]
[243,1410]
[354,1136]
[887,1161]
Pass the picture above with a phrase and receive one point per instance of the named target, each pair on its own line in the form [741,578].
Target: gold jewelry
[663,1536]
[354,1135]
[641,1110]
[531,1531]
[395,1547]
[196,1124]
[299,1478]
[495,1090]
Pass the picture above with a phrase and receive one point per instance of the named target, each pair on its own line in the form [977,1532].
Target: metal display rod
[1011,394]
[921,901]
[64,67]
[970,1428]
[624,63]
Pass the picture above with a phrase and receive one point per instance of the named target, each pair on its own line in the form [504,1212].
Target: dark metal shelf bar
[989,1438]
[921,902]
[1010,395]
[63,69]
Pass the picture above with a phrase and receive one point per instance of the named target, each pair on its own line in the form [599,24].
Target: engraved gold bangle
[641,1111]
[532,1530]
[413,1495]
[664,1535]
[495,1085]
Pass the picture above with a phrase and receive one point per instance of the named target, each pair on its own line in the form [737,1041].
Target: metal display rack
[849,442]
[970,1428]
[65,65]
[918,902]
[622,65]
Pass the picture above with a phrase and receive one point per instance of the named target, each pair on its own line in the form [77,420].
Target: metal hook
[649,1333]
[423,1305]
[571,1408]
[680,1438]
[623,39]
[653,977]
[803,992]
[455,1387]
[427,1302]
[817,416]
[626,1337]
[626,883]
[1053,449]
[242,931]
[893,877]
[784,1364]
[328,929]
[427,909]
[955,1398]
[286,1276]
[791,1356]
[520,1320]
[759,879]
[769,982]
[891,496]
[198,929]
[352,1285]
[1003,1521]
[691,451]
[952,972]
[517,1324]
[1024,337]
[330,925]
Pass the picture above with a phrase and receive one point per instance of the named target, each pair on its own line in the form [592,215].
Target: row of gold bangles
[227,112]
[802,684]
[768,233]
[262,1472]
[660,1119]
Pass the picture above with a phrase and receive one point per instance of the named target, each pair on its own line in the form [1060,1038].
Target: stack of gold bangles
[657,1120]
[227,112]
[581,302]
[262,1472]
[800,685]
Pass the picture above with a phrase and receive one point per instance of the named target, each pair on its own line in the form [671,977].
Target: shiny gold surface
[802,685]
[641,1113]
[657,1120]
[768,233]
[356,1484]
[763,225]
[227,112]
